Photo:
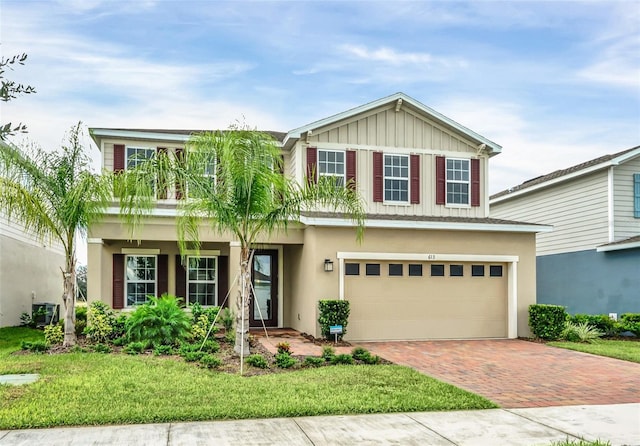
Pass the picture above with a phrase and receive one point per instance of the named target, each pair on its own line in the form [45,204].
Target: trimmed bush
[547,321]
[333,312]
[285,361]
[257,361]
[630,322]
[313,361]
[602,322]
[343,358]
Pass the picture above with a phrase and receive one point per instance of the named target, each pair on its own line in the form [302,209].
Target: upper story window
[140,276]
[138,155]
[396,178]
[458,181]
[331,164]
[202,188]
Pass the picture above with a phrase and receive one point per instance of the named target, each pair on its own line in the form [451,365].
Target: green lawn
[93,388]
[627,350]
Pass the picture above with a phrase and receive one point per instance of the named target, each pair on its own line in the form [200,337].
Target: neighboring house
[433,265]
[590,262]
[29,272]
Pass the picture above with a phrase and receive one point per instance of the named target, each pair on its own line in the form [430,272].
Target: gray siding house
[590,262]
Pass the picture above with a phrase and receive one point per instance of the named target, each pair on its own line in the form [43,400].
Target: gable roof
[559,176]
[398,98]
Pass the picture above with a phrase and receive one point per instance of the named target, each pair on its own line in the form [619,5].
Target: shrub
[27,321]
[53,334]
[119,327]
[100,321]
[372,359]
[313,361]
[226,318]
[160,322]
[359,353]
[193,356]
[230,337]
[328,352]
[343,358]
[630,322]
[582,332]
[602,322]
[101,348]
[134,348]
[34,346]
[285,361]
[258,361]
[210,361]
[284,347]
[333,312]
[119,342]
[163,350]
[547,321]
[81,319]
[188,348]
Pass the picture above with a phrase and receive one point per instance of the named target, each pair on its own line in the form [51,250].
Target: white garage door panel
[388,308]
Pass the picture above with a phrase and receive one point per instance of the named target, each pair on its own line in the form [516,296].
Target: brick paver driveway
[515,373]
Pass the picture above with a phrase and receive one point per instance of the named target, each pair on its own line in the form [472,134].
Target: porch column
[512,305]
[95,273]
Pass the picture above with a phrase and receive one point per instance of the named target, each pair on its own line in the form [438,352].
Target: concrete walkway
[618,424]
[518,374]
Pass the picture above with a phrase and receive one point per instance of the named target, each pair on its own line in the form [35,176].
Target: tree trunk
[242,304]
[69,300]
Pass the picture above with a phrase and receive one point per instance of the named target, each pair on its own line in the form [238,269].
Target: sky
[554,83]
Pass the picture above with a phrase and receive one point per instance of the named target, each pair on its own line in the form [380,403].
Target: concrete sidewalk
[618,424]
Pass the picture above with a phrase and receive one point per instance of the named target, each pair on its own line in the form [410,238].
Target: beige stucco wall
[310,283]
[29,274]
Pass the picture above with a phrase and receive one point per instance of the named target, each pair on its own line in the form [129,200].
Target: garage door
[423,300]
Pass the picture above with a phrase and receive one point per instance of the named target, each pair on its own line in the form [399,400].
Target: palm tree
[233,181]
[55,196]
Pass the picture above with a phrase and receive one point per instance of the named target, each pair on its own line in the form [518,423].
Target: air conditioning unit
[45,314]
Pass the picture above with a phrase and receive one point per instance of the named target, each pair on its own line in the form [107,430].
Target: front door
[264,276]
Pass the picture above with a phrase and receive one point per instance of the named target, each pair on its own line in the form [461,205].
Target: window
[495,271]
[331,165]
[395,269]
[636,195]
[415,269]
[138,155]
[456,270]
[396,178]
[457,181]
[372,269]
[201,280]
[352,269]
[477,270]
[437,270]
[140,276]
[202,188]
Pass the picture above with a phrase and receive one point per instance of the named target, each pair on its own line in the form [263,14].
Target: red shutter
[475,182]
[414,173]
[223,281]
[118,157]
[181,279]
[281,165]
[312,165]
[378,177]
[440,180]
[117,292]
[162,275]
[179,190]
[162,186]
[351,168]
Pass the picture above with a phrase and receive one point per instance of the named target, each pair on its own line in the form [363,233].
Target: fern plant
[160,322]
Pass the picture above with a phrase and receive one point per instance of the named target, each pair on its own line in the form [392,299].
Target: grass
[94,388]
[568,442]
[626,350]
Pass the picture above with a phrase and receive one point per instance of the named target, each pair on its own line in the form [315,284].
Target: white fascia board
[296,133]
[153,136]
[403,224]
[552,182]
[626,157]
[618,247]
[425,257]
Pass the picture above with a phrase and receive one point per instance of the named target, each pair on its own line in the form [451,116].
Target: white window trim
[145,148]
[447,181]
[344,165]
[127,281]
[189,281]
[406,202]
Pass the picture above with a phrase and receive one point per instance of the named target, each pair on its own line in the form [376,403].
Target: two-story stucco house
[29,272]
[433,265]
[590,262]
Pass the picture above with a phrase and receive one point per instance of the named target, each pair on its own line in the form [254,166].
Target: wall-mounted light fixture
[328,265]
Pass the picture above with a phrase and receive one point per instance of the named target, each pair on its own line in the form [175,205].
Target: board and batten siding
[625,224]
[576,209]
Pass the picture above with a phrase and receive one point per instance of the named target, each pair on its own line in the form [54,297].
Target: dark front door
[264,276]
